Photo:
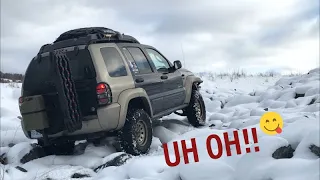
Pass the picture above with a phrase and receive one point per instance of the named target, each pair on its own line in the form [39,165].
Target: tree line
[11,76]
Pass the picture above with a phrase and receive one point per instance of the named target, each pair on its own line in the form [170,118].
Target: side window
[140,61]
[114,62]
[132,63]
[159,61]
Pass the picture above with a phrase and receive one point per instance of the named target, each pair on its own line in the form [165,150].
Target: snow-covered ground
[230,106]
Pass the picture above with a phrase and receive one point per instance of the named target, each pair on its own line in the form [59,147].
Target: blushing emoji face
[271,123]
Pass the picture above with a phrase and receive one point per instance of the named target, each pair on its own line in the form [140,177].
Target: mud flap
[65,86]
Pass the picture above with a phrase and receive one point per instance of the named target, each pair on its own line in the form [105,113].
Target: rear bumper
[107,119]
[109,116]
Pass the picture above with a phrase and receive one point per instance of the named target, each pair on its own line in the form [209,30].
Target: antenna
[184,62]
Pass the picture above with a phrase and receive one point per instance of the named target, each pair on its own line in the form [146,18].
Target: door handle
[164,77]
[139,80]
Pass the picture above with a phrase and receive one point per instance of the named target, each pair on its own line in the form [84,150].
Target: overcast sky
[215,35]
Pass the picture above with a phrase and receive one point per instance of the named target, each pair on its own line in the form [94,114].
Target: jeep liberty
[95,82]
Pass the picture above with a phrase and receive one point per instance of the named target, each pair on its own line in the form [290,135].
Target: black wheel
[196,111]
[136,136]
[66,148]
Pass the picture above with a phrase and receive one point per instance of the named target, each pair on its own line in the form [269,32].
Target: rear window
[40,76]
[81,65]
[114,62]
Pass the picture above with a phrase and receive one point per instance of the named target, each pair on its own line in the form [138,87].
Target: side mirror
[177,64]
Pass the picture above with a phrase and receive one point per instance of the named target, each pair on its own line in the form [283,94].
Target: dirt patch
[78,175]
[299,95]
[315,150]
[283,152]
[117,161]
[3,159]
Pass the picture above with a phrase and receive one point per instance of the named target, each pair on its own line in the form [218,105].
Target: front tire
[196,111]
[136,135]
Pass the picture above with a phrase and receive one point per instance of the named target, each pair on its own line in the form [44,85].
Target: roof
[87,36]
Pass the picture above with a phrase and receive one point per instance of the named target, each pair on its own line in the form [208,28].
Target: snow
[155,165]
[282,169]
[296,131]
[240,99]
[64,172]
[303,150]
[17,152]
[160,131]
[205,171]
[231,106]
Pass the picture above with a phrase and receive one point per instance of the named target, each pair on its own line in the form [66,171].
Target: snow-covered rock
[230,106]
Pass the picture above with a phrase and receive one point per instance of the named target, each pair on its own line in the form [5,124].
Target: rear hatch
[43,77]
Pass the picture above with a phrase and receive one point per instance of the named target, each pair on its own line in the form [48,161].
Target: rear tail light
[104,94]
[20,100]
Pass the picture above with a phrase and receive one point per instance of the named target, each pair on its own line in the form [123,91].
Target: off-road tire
[138,122]
[66,148]
[196,110]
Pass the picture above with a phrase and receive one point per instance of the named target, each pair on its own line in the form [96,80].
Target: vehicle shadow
[168,122]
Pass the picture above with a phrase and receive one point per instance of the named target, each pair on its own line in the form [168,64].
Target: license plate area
[35,135]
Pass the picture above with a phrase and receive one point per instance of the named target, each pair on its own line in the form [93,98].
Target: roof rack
[87,36]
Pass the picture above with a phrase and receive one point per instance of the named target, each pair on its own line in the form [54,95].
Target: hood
[186,72]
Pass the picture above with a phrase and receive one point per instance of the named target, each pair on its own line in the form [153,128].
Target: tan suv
[95,82]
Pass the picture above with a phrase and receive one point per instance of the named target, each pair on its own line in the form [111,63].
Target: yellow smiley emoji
[271,123]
